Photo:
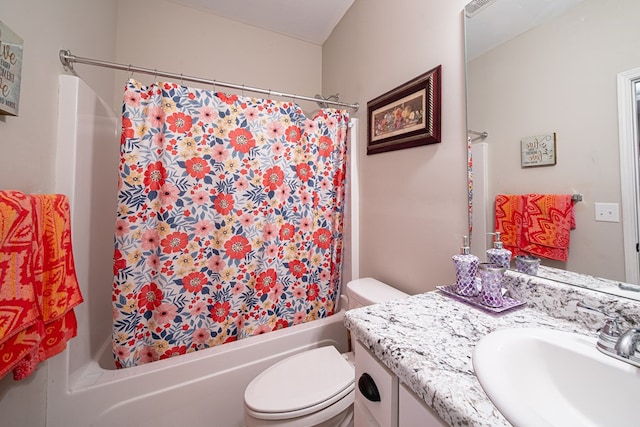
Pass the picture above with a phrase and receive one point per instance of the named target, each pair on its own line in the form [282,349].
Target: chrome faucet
[627,344]
[609,333]
[621,346]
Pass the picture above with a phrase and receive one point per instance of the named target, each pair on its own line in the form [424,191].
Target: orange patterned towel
[38,285]
[550,218]
[509,221]
[536,224]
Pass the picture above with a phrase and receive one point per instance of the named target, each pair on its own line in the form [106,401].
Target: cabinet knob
[368,388]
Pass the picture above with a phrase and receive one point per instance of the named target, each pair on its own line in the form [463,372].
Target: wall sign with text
[539,150]
[10,69]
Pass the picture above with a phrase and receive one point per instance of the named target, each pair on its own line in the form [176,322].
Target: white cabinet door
[367,413]
[414,412]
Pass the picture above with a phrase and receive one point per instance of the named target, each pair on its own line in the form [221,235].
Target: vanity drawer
[372,376]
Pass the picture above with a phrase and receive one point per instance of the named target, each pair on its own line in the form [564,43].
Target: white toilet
[290,394]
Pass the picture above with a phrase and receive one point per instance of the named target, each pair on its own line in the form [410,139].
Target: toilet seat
[302,384]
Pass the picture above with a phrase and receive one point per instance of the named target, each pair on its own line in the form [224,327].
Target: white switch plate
[608,212]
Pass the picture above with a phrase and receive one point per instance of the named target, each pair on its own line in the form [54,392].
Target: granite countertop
[427,340]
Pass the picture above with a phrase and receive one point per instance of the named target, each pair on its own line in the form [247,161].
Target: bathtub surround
[102,396]
[427,340]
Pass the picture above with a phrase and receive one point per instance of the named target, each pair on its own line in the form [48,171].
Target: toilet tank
[367,291]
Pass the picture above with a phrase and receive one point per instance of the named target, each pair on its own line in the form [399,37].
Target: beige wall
[562,78]
[183,40]
[28,142]
[110,31]
[87,28]
[413,206]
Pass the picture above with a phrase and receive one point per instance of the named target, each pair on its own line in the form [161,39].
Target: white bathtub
[204,388]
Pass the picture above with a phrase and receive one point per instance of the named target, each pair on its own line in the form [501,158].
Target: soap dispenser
[498,254]
[466,269]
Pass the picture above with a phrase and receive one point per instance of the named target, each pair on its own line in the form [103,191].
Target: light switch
[608,212]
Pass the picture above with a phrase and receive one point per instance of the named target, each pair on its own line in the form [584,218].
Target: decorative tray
[508,303]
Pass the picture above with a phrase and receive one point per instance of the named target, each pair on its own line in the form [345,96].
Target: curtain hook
[155,74]
[129,71]
[242,93]
[181,81]
[214,85]
[293,98]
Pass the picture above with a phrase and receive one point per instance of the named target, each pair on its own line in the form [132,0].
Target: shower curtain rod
[481,135]
[68,60]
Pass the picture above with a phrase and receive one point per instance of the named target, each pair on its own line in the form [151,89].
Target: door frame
[629,175]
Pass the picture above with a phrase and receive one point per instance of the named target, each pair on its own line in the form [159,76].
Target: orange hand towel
[509,221]
[38,285]
[549,218]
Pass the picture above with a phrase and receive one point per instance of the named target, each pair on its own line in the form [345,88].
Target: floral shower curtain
[229,219]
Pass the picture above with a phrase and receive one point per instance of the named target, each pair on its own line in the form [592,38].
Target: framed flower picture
[407,116]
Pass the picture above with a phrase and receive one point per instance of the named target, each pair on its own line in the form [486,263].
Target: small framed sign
[538,150]
[10,70]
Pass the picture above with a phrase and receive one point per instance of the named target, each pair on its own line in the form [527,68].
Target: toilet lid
[305,380]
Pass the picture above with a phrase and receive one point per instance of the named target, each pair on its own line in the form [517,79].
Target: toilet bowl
[314,387]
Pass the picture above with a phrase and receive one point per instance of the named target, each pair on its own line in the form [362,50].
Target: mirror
[539,67]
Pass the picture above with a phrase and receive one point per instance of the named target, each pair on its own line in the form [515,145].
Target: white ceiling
[314,20]
[308,20]
[501,20]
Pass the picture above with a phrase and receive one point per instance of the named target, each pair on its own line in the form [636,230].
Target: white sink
[543,377]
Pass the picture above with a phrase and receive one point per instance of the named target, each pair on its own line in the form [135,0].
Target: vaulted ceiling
[308,20]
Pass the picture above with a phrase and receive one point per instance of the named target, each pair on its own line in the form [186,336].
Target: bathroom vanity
[418,350]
